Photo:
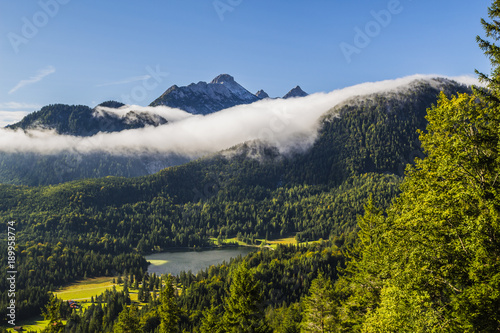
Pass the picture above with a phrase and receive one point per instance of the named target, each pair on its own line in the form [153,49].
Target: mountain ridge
[33,168]
[204,98]
[81,120]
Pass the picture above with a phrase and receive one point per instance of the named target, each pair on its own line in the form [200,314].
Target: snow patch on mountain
[204,98]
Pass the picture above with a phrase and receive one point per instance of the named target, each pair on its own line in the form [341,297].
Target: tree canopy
[431,263]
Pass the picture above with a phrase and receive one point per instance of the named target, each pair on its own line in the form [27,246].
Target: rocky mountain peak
[223,78]
[296,92]
[261,94]
[203,98]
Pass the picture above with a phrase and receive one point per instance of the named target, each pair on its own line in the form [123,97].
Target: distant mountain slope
[204,98]
[396,116]
[373,133]
[41,169]
[81,120]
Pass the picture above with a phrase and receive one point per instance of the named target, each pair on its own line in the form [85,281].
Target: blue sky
[86,52]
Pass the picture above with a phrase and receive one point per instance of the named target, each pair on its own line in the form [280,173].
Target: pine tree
[152,280]
[126,291]
[285,319]
[320,309]
[169,310]
[151,320]
[211,322]
[136,282]
[146,297]
[439,246]
[243,307]
[367,269]
[128,321]
[140,295]
[52,313]
[492,51]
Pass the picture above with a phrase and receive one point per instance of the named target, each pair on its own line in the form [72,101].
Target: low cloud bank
[128,111]
[10,117]
[286,124]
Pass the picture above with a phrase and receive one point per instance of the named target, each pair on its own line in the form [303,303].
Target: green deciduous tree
[439,246]
[444,239]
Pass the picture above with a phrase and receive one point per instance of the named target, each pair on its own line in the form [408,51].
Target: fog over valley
[284,123]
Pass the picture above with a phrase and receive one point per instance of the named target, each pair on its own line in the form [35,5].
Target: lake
[175,262]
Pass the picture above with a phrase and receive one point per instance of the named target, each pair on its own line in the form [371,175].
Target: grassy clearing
[233,240]
[157,262]
[80,291]
[83,290]
[290,239]
[273,243]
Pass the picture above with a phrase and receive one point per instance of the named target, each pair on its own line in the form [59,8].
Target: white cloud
[468,80]
[125,81]
[283,123]
[170,114]
[17,105]
[34,79]
[11,117]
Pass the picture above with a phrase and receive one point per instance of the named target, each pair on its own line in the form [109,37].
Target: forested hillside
[393,116]
[362,148]
[267,284]
[35,168]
